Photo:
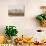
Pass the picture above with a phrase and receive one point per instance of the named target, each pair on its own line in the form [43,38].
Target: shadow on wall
[34,22]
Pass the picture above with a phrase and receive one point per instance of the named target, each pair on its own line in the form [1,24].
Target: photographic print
[16,10]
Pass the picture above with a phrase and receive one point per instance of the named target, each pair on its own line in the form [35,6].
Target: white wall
[26,24]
